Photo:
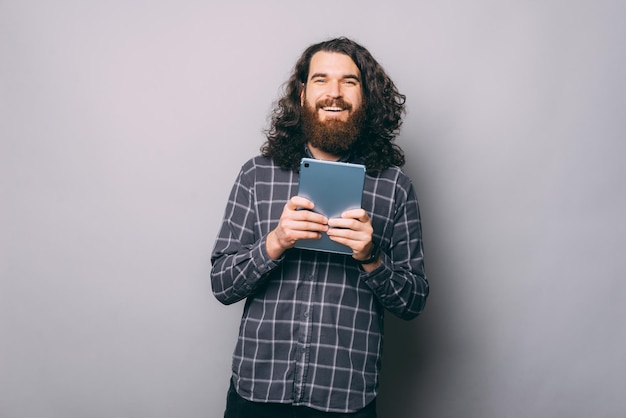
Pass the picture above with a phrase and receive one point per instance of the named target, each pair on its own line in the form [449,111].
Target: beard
[333,136]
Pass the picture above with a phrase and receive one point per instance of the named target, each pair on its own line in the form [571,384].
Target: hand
[295,225]
[355,230]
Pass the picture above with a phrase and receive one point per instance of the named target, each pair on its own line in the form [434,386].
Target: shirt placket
[306,293]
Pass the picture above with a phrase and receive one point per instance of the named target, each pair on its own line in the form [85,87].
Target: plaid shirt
[312,326]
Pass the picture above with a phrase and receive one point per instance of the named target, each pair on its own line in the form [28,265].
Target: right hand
[294,225]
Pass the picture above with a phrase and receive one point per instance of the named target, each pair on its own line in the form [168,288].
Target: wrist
[272,246]
[373,257]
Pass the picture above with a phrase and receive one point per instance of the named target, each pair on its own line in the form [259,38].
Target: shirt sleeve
[240,262]
[400,282]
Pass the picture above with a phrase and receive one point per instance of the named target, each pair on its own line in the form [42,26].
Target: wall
[123,125]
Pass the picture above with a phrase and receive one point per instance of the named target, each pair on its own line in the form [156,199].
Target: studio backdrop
[124,123]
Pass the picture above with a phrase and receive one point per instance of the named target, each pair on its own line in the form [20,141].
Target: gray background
[123,125]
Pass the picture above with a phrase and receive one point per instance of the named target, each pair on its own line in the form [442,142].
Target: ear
[302,94]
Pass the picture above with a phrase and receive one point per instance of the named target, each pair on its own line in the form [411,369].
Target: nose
[334,90]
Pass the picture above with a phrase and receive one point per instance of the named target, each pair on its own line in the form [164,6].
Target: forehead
[333,64]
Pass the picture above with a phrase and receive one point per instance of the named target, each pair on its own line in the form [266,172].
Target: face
[333,88]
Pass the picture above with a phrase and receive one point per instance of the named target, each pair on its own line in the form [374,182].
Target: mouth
[334,105]
[333,109]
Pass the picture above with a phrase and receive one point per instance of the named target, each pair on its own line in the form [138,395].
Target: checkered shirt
[312,325]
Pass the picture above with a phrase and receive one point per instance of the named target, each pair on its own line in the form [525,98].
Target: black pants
[237,407]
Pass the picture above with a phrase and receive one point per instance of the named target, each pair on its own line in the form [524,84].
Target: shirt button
[306,314]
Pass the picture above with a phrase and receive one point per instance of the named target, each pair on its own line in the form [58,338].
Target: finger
[290,231]
[351,234]
[309,216]
[350,223]
[358,247]
[347,223]
[299,202]
[303,225]
[298,235]
[358,214]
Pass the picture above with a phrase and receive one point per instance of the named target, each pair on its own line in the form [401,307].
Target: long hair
[383,107]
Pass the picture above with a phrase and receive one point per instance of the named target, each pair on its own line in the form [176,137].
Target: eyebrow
[345,77]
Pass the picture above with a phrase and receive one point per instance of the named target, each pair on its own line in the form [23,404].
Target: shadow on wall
[409,352]
[417,369]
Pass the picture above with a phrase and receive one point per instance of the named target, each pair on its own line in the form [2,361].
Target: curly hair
[383,107]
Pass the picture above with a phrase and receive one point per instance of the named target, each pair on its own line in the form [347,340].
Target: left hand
[355,230]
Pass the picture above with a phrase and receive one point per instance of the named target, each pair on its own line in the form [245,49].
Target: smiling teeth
[333,109]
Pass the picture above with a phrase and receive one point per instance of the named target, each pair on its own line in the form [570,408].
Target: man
[310,340]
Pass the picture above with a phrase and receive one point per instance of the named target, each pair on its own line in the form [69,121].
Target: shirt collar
[344,159]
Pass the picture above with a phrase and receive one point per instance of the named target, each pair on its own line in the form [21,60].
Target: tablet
[333,187]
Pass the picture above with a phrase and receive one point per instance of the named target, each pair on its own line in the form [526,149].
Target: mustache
[333,103]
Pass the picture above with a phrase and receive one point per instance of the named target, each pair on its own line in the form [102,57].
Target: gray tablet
[334,187]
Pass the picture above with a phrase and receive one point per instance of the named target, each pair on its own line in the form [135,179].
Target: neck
[318,154]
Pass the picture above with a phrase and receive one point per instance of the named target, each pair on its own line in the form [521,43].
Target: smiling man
[331,104]
[311,333]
